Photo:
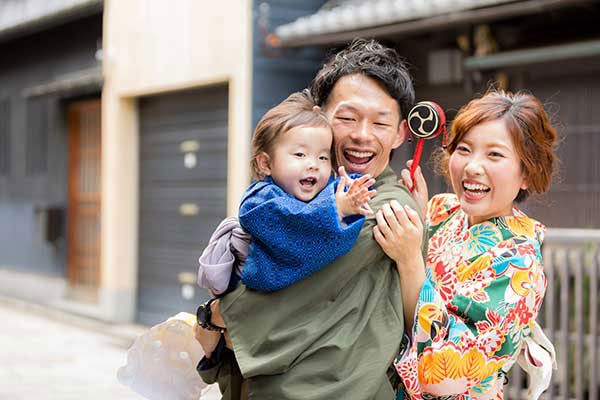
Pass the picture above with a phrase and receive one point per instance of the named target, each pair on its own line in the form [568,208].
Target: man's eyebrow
[347,106]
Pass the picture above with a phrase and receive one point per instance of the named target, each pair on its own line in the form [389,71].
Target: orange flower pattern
[484,287]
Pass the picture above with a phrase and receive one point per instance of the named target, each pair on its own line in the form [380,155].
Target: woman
[470,307]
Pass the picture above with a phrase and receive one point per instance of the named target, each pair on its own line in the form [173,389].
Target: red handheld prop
[426,120]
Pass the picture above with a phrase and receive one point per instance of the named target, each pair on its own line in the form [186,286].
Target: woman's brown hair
[530,128]
[295,111]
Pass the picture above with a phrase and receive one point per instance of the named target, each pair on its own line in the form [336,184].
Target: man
[334,334]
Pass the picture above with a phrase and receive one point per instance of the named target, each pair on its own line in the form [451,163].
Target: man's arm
[270,331]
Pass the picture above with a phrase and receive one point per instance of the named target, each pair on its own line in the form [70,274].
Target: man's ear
[401,135]
[263,161]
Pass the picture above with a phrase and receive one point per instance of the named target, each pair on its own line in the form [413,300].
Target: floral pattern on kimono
[483,290]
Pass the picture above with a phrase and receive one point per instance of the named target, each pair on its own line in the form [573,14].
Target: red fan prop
[426,120]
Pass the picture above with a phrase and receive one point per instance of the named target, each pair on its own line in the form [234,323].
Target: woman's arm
[399,232]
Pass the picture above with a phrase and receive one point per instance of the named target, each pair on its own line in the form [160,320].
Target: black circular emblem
[424,120]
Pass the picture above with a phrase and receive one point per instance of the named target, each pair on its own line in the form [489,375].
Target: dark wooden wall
[33,139]
[276,74]
[568,89]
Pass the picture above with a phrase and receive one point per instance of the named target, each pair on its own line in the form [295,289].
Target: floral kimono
[476,310]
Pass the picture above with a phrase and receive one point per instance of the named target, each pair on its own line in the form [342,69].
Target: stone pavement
[49,354]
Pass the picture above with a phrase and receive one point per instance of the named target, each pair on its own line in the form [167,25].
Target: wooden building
[459,48]
[50,86]
[124,140]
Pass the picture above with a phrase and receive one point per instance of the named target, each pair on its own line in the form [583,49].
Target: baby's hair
[295,111]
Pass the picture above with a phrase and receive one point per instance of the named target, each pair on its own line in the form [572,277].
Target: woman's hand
[419,193]
[399,232]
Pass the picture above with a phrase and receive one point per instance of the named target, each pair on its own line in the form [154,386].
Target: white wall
[157,46]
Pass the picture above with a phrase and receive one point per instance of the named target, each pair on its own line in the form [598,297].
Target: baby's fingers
[342,172]
[341,185]
[366,210]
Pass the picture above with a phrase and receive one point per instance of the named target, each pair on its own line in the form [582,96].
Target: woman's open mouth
[475,191]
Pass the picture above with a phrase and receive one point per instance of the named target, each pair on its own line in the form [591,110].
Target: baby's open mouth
[358,157]
[308,182]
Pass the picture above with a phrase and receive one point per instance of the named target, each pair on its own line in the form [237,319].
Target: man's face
[366,124]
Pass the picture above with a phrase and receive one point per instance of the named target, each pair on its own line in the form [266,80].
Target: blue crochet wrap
[292,239]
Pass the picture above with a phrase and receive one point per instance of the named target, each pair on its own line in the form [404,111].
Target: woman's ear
[263,161]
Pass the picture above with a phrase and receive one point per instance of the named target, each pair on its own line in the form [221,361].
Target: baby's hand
[356,199]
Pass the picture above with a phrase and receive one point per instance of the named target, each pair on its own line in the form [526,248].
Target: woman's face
[485,171]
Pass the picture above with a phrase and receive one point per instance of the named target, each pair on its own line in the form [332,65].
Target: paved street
[48,354]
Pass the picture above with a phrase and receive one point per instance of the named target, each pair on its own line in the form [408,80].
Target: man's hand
[356,199]
[217,319]
[207,339]
[419,193]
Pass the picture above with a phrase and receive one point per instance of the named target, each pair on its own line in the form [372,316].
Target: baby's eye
[324,158]
[382,124]
[299,154]
[495,154]
[462,149]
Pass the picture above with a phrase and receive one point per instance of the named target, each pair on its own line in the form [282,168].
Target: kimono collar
[386,177]
[518,223]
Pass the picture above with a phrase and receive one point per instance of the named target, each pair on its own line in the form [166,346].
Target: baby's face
[301,161]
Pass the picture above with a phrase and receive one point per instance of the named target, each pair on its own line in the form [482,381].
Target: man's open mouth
[358,157]
[308,182]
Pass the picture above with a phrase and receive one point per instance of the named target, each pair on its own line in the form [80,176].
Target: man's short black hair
[372,59]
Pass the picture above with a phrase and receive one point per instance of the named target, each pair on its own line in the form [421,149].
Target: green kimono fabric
[332,335]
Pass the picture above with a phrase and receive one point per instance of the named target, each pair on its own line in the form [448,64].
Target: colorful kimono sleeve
[471,326]
[292,239]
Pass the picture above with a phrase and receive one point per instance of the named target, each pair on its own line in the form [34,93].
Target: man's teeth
[475,186]
[360,154]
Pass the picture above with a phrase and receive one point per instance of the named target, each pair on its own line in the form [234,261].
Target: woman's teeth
[475,187]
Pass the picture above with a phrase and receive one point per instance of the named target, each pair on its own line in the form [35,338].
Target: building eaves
[339,21]
[79,82]
[21,17]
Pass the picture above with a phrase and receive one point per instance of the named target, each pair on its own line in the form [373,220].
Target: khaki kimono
[332,335]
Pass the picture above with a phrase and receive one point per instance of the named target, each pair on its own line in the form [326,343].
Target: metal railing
[569,316]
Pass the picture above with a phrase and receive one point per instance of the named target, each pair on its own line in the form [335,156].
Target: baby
[299,217]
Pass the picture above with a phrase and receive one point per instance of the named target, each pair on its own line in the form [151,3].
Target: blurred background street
[51,355]
[48,354]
